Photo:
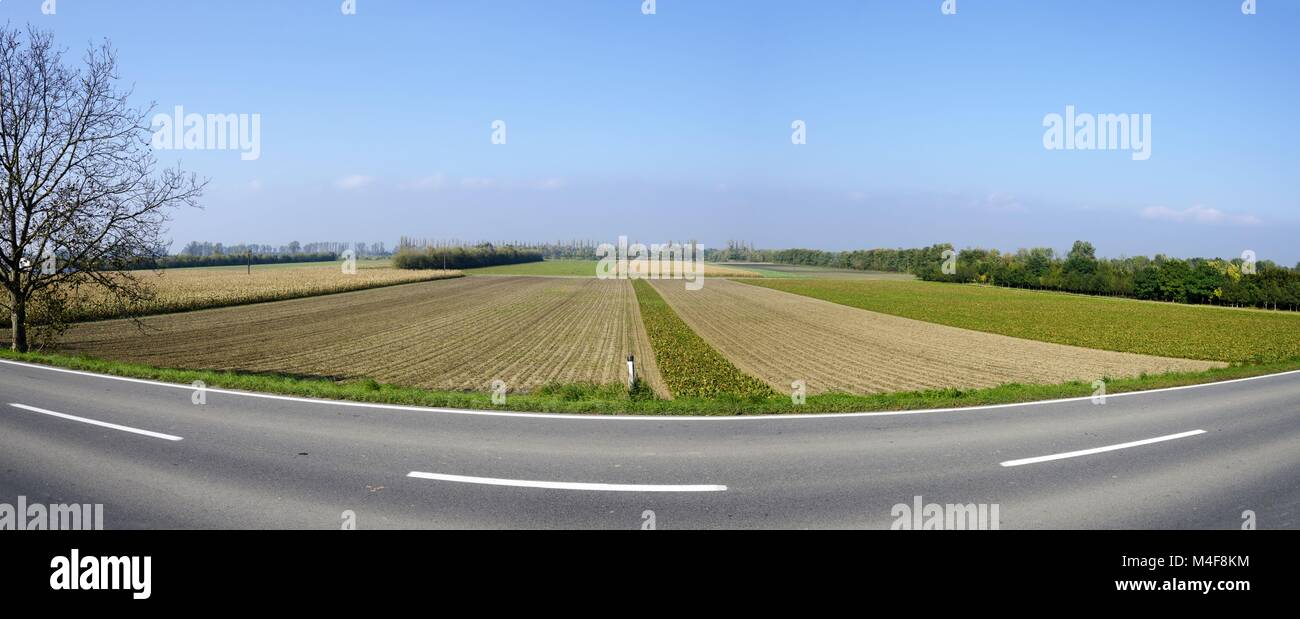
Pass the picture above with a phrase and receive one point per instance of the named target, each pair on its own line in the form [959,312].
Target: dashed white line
[564,485]
[102,424]
[1097,450]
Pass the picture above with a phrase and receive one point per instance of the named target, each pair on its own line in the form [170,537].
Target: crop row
[690,367]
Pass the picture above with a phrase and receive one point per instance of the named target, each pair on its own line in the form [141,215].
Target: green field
[1164,329]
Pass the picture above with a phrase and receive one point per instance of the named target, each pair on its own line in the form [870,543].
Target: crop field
[782,337]
[459,334]
[178,290]
[587,268]
[690,367]
[1143,327]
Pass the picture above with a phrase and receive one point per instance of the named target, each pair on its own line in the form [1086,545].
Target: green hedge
[463,257]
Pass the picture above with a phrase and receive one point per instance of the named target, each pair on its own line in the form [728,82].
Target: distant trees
[483,255]
[1195,280]
[216,260]
[894,260]
[558,250]
[1264,284]
[209,249]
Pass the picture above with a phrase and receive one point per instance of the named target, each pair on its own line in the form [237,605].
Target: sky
[921,127]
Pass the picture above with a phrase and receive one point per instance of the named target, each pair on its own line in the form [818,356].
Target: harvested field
[458,334]
[781,338]
[177,290]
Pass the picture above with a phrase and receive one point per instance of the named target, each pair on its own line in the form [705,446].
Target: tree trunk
[18,320]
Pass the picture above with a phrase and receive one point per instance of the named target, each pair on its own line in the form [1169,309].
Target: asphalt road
[255,461]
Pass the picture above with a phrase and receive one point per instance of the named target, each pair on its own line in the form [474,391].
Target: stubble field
[180,290]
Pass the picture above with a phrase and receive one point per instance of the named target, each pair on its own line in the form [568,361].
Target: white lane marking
[564,485]
[102,424]
[657,418]
[1097,450]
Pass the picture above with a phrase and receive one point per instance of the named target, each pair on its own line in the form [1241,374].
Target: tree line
[1236,282]
[463,257]
[558,250]
[293,248]
[215,260]
[893,260]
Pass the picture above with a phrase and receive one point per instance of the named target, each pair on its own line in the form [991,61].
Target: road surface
[1194,457]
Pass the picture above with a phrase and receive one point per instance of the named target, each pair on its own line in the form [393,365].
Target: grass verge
[690,367]
[615,399]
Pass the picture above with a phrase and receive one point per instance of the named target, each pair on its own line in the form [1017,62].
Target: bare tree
[80,198]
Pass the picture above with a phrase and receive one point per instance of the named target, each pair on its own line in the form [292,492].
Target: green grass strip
[690,367]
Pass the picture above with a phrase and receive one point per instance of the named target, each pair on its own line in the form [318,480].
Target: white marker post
[631,372]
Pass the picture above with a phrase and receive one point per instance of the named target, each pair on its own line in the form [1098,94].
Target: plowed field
[455,334]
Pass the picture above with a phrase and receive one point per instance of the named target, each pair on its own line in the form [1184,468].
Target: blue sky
[922,127]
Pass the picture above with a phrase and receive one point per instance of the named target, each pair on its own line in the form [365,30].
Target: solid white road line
[562,485]
[102,424]
[652,418]
[1088,452]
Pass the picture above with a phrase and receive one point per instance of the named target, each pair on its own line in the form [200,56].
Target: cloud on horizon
[1198,214]
[354,181]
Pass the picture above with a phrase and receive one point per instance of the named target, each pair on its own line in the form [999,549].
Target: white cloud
[552,183]
[1198,214]
[353,181]
[999,202]
[427,183]
[474,182]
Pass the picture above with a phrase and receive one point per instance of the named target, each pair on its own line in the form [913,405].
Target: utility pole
[249,254]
